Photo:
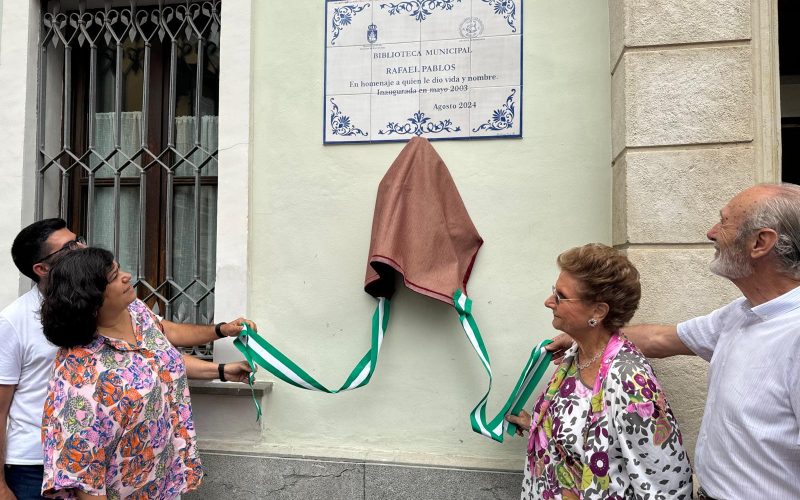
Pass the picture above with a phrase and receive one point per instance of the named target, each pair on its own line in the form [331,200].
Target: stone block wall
[255,477]
[686,115]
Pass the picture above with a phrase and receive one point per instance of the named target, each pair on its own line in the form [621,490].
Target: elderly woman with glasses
[602,428]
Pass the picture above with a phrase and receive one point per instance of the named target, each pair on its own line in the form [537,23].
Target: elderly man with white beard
[749,441]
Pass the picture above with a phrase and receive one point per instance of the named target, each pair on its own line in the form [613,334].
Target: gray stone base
[245,477]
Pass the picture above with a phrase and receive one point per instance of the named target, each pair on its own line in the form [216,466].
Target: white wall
[311,212]
[20,31]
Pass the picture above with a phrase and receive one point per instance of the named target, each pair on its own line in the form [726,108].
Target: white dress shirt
[749,442]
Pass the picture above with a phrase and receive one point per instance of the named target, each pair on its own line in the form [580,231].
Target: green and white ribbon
[537,364]
[257,350]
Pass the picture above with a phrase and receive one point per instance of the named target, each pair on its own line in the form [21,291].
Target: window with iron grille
[127,141]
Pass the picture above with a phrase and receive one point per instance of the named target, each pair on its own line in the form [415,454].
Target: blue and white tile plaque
[442,69]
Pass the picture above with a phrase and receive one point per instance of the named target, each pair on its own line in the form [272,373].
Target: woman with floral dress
[602,429]
[117,420]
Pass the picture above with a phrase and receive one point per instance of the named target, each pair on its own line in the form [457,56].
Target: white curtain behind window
[183,260]
[103,214]
[184,142]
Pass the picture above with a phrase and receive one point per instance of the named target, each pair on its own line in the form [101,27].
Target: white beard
[731,263]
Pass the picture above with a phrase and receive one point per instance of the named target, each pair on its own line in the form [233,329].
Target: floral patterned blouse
[117,418]
[618,440]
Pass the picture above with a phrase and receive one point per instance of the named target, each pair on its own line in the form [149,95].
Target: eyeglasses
[78,242]
[560,298]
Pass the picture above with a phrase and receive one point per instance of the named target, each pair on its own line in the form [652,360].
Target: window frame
[234,158]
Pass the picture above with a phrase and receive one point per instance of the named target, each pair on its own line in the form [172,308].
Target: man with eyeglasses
[26,358]
[749,441]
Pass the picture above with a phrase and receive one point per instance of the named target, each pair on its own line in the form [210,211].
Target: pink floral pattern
[118,420]
[617,440]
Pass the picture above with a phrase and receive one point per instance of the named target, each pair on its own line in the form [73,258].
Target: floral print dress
[118,420]
[618,440]
[570,407]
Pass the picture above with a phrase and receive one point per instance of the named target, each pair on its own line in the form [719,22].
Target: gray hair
[779,211]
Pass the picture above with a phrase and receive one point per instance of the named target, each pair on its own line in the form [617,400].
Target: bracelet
[221,370]
[218,329]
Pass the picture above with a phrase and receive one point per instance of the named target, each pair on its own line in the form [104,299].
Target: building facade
[640,120]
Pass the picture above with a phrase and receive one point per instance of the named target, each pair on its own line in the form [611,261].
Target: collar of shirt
[117,344]
[777,306]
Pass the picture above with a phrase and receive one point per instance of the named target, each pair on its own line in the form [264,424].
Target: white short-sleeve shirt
[749,442]
[26,360]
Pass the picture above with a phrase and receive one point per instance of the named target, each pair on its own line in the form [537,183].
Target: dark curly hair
[605,275]
[73,294]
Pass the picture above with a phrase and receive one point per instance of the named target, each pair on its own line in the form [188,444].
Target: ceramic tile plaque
[442,69]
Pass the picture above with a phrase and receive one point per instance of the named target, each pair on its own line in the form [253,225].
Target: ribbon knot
[462,303]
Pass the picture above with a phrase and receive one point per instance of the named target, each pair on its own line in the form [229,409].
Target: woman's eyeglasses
[560,298]
[78,242]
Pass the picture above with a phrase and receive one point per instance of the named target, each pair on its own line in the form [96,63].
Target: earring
[592,322]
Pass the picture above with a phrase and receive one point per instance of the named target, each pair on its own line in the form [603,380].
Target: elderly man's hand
[233,328]
[237,372]
[559,346]
[522,421]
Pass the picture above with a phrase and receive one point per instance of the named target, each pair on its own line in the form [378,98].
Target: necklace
[580,365]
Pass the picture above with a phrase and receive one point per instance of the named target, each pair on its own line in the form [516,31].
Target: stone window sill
[217,388]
